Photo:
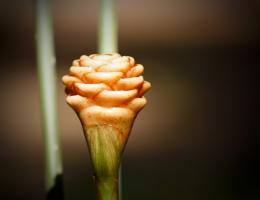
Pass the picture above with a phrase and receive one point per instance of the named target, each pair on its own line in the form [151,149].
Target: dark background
[193,141]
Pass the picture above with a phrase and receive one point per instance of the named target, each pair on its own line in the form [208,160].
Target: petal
[145,87]
[137,104]
[115,98]
[129,83]
[80,71]
[90,90]
[77,102]
[86,61]
[105,57]
[131,60]
[70,80]
[76,62]
[102,77]
[114,67]
[121,59]
[137,70]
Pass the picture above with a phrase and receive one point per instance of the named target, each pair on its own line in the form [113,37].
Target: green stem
[106,144]
[47,82]
[107,189]
[107,33]
[108,41]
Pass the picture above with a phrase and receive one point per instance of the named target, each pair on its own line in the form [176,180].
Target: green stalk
[107,33]
[108,43]
[47,82]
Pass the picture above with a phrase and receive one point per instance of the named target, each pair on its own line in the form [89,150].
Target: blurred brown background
[195,138]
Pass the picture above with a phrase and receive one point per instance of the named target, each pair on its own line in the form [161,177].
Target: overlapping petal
[106,80]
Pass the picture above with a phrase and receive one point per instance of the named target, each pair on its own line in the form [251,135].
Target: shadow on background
[195,138]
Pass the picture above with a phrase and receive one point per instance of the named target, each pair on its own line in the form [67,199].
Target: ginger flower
[106,91]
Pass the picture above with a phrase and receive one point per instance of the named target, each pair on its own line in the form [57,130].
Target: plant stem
[47,82]
[108,42]
[107,189]
[107,33]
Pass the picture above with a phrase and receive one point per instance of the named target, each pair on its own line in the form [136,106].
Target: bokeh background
[194,140]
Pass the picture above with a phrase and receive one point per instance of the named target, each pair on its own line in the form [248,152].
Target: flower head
[106,86]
